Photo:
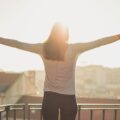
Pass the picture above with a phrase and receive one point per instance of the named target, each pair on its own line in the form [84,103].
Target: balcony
[86,111]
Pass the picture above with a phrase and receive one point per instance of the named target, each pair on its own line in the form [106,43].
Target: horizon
[42,70]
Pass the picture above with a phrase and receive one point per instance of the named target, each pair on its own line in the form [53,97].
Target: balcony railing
[9,111]
[101,111]
[85,112]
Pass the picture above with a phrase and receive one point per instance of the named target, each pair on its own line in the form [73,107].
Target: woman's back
[60,75]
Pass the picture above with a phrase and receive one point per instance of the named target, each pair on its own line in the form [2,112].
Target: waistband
[55,93]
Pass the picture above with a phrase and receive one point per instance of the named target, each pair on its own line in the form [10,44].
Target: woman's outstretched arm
[36,48]
[82,47]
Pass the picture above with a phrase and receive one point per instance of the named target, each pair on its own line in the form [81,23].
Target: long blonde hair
[55,49]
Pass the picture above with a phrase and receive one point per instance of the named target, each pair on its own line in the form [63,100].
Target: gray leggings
[53,102]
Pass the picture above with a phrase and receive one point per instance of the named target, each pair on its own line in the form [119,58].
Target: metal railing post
[24,112]
[14,112]
[28,112]
[7,108]
[91,114]
[40,114]
[103,114]
[0,115]
[79,112]
[115,115]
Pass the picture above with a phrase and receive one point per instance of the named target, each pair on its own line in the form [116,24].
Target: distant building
[91,82]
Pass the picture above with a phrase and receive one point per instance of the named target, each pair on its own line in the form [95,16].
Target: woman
[59,59]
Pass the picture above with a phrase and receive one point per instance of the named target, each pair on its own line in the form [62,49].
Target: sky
[30,21]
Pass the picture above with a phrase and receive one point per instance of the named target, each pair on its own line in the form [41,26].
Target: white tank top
[60,75]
